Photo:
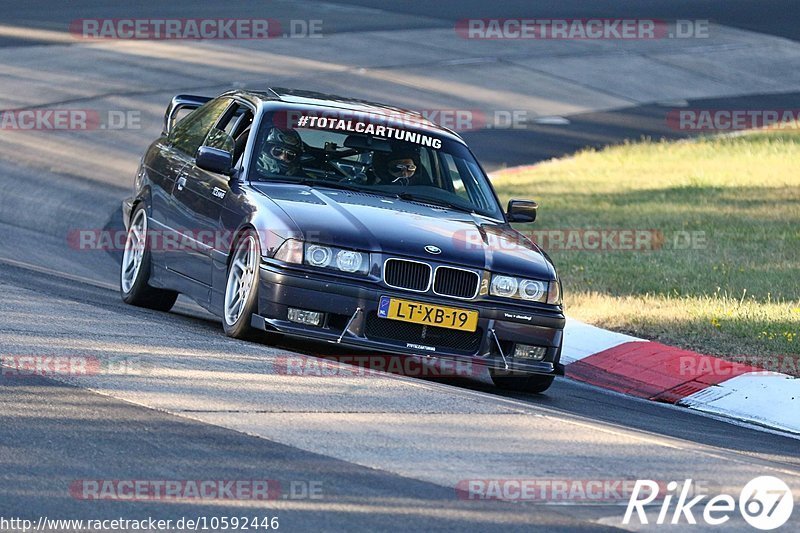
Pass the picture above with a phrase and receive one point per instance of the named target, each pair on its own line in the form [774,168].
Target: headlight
[504,286]
[330,257]
[349,261]
[318,256]
[530,290]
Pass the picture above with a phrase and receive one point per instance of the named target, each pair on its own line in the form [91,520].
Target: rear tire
[530,383]
[136,267]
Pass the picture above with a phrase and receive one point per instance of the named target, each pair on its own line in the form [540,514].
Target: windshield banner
[367,128]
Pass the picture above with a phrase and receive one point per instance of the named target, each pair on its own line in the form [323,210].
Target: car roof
[313,98]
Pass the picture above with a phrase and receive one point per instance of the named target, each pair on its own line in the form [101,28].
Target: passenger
[396,167]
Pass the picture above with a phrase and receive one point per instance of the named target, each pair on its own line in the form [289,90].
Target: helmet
[398,166]
[280,152]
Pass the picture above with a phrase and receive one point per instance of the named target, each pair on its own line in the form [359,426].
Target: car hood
[377,223]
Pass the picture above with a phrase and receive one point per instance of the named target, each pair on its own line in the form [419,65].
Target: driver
[396,167]
[280,152]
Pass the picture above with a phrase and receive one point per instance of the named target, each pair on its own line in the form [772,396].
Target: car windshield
[402,161]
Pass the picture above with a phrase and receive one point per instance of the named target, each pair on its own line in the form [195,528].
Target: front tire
[136,266]
[241,288]
[530,383]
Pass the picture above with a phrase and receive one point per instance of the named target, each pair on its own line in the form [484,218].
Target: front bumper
[492,345]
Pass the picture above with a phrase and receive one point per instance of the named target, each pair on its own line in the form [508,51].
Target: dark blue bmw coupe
[299,213]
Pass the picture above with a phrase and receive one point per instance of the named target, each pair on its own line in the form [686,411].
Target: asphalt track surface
[774,17]
[53,433]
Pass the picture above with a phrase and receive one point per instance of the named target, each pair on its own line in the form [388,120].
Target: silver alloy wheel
[134,251]
[241,278]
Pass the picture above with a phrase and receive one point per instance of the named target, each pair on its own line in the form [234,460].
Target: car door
[184,253]
[163,164]
[199,199]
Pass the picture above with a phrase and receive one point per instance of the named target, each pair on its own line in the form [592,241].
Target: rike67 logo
[765,503]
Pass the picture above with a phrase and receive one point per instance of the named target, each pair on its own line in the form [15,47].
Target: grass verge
[723,273]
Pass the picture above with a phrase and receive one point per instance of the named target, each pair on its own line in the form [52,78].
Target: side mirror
[522,210]
[214,160]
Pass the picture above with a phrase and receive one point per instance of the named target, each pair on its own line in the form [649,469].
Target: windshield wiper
[433,201]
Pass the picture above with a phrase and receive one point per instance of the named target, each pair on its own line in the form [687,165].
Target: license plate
[430,315]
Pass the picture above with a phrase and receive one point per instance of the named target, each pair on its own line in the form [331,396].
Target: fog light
[302,316]
[525,351]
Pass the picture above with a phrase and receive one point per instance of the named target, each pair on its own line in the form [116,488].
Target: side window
[188,135]
[219,138]
[230,133]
